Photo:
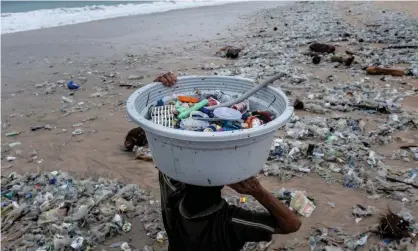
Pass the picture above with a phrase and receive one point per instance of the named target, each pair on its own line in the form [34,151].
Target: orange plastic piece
[187,99]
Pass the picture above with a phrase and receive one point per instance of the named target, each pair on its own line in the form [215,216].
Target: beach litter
[135,138]
[316,59]
[229,52]
[142,153]
[361,211]
[13,144]
[323,48]
[12,134]
[72,86]
[56,209]
[77,131]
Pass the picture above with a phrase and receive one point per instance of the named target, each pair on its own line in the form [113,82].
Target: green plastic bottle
[179,108]
[184,114]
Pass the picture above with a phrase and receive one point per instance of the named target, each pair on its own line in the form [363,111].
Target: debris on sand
[135,137]
[42,210]
[394,227]
[229,52]
[298,105]
[347,61]
[374,70]
[323,48]
[143,153]
[135,77]
[361,211]
[316,59]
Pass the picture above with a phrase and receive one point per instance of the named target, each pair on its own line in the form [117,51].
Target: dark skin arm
[287,221]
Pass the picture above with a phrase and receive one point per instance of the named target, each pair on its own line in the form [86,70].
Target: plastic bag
[302,204]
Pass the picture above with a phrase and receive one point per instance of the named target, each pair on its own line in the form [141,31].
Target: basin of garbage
[209,158]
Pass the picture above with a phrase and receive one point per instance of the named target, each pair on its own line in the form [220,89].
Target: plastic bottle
[196,107]
[190,124]
[11,134]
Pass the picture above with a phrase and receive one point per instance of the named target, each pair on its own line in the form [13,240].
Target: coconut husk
[135,137]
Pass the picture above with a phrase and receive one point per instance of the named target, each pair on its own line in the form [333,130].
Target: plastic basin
[209,158]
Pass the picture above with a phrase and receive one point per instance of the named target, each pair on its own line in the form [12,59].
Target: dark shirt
[221,227]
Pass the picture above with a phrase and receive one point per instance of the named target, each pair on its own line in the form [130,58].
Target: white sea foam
[38,19]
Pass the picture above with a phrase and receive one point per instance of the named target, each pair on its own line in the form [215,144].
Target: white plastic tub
[209,158]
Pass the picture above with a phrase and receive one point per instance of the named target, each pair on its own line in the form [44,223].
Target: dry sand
[157,43]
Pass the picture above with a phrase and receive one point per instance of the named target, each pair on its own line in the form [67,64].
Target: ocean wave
[46,18]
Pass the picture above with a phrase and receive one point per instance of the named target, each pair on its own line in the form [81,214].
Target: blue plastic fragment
[160,102]
[52,181]
[72,86]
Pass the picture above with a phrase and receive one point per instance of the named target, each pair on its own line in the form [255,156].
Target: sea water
[31,15]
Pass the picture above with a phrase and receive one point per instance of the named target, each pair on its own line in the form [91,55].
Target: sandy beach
[101,55]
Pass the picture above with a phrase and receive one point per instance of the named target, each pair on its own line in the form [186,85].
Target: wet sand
[102,54]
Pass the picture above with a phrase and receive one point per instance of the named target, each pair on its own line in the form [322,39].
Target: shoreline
[74,14]
[116,36]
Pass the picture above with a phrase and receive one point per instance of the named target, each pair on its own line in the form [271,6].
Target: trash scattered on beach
[373,70]
[72,86]
[342,147]
[135,137]
[302,204]
[229,52]
[316,59]
[134,77]
[394,227]
[361,211]
[78,131]
[66,99]
[347,61]
[319,47]
[10,158]
[143,153]
[13,144]
[11,134]
[42,210]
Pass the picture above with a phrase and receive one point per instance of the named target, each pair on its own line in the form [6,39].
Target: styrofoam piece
[209,159]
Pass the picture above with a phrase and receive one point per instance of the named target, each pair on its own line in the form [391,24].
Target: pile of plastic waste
[335,239]
[54,211]
[191,113]
[339,149]
[360,115]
